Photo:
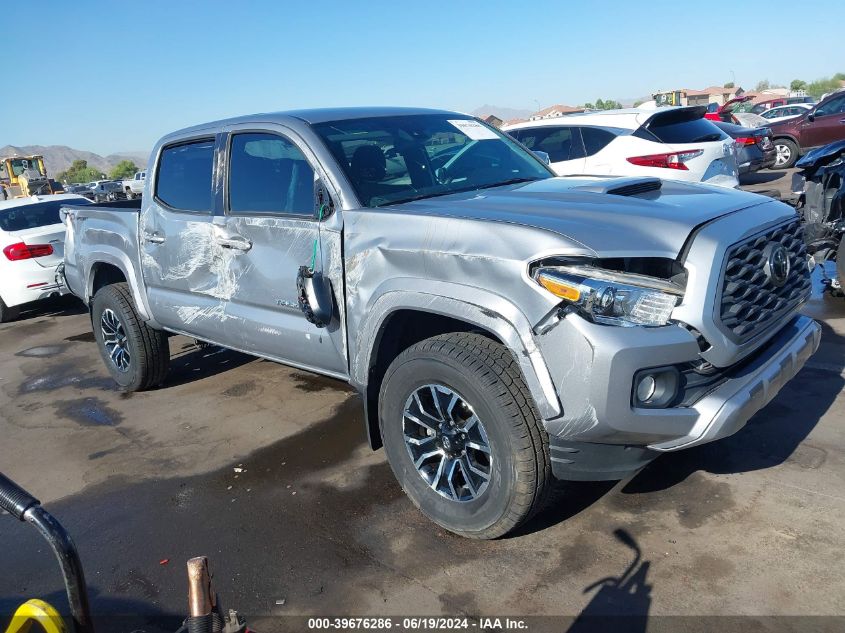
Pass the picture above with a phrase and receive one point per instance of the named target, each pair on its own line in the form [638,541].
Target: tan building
[492,119]
[554,111]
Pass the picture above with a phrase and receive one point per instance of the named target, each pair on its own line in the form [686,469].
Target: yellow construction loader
[22,176]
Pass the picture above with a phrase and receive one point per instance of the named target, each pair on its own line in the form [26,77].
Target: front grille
[751,300]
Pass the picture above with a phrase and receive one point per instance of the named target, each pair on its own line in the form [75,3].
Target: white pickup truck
[134,187]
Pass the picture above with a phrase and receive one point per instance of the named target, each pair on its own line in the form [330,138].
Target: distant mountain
[59,157]
[503,113]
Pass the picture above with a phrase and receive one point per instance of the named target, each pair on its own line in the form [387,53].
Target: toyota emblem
[777,264]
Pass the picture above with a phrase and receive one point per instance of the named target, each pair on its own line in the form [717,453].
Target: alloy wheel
[447,443]
[784,153]
[114,339]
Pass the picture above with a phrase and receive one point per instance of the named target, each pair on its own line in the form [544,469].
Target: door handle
[236,244]
[154,238]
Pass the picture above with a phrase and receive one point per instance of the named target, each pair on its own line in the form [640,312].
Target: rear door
[596,140]
[562,143]
[828,124]
[187,285]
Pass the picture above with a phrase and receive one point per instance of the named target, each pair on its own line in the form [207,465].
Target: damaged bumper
[604,434]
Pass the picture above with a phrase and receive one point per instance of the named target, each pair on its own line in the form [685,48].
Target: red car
[822,124]
[715,112]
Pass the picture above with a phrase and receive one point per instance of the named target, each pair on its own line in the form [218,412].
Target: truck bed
[106,234]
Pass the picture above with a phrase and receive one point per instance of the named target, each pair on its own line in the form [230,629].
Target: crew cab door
[828,124]
[181,262]
[269,228]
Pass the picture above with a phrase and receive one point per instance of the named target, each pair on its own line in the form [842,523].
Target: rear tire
[6,313]
[465,381]
[136,355]
[786,153]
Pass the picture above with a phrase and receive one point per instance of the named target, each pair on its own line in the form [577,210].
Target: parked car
[107,190]
[822,124]
[79,189]
[821,203]
[754,147]
[762,106]
[784,112]
[676,143]
[716,112]
[134,187]
[503,327]
[749,119]
[31,238]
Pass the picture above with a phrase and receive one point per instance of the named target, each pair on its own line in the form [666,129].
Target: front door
[562,144]
[828,124]
[270,228]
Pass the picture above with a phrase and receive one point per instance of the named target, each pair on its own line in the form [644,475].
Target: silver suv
[504,327]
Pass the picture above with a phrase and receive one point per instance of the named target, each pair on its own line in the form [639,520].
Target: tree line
[80,172]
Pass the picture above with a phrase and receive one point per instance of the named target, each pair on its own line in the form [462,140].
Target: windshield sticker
[474,130]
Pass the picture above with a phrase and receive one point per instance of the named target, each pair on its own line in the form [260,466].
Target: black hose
[14,499]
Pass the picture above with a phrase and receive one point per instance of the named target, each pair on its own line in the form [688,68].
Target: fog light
[646,388]
[656,388]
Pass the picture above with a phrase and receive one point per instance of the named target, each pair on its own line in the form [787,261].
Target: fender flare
[120,260]
[481,308]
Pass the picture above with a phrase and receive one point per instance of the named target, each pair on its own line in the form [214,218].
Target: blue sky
[112,77]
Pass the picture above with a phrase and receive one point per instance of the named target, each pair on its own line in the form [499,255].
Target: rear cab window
[33,216]
[680,126]
[184,176]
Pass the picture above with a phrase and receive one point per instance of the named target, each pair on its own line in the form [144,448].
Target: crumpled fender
[473,305]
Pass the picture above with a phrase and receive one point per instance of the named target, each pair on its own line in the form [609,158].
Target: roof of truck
[315,115]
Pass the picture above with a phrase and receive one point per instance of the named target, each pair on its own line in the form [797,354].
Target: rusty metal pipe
[200,594]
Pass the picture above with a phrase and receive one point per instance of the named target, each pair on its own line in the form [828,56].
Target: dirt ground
[314,523]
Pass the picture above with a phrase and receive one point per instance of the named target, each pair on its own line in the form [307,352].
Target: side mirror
[543,156]
[811,117]
[314,292]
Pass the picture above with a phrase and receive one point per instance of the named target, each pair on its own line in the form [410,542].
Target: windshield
[31,216]
[397,159]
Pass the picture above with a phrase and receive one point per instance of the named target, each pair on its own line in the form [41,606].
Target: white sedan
[669,143]
[32,238]
[784,112]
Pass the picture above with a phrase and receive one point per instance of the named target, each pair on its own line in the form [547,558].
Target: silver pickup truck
[504,327]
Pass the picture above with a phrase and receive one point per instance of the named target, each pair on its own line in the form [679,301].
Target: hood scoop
[623,186]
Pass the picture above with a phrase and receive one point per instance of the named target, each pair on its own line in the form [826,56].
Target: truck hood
[655,223]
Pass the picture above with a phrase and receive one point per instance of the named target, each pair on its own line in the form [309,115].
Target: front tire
[136,355]
[462,435]
[786,153]
[6,313]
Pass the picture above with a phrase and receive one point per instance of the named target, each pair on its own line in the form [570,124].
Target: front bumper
[725,410]
[593,367]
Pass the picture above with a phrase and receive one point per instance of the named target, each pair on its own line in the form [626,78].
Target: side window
[269,174]
[595,139]
[558,142]
[184,176]
[834,106]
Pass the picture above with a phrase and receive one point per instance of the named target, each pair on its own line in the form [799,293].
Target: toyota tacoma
[504,327]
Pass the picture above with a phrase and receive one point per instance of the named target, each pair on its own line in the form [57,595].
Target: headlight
[611,297]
